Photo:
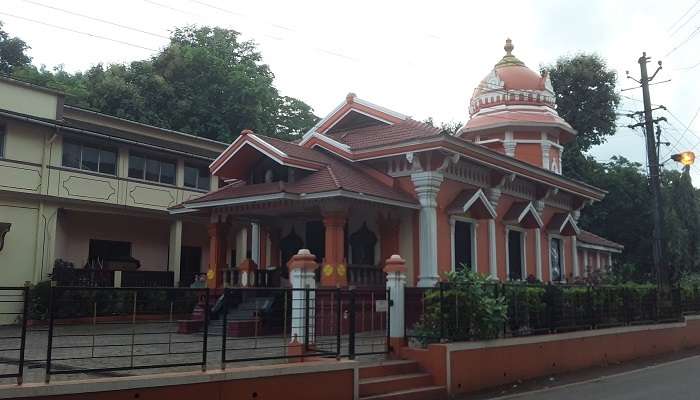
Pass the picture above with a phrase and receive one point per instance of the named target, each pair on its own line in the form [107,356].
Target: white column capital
[427,185]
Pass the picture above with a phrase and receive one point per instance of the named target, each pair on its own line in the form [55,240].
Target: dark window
[515,255]
[108,250]
[71,155]
[89,158]
[136,166]
[555,259]
[151,169]
[196,177]
[108,162]
[167,173]
[2,141]
[463,245]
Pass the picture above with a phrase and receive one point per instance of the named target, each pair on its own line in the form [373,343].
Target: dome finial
[509,58]
[508,47]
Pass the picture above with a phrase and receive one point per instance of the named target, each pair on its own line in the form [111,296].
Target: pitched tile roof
[382,135]
[337,175]
[591,238]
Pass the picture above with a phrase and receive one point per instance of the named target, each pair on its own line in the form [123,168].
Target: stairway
[398,380]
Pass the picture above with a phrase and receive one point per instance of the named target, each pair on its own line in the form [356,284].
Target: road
[676,380]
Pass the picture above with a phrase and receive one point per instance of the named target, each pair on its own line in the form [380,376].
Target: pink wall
[196,235]
[149,237]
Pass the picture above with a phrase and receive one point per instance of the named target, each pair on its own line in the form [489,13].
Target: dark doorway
[289,246]
[515,255]
[316,239]
[190,262]
[463,245]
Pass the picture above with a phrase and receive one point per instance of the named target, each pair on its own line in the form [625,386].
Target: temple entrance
[190,262]
[316,239]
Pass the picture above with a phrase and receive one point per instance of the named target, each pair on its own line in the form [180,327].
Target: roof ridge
[335,179]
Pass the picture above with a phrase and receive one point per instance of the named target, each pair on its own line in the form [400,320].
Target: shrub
[466,307]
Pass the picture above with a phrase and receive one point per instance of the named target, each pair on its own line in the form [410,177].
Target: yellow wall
[25,100]
[17,256]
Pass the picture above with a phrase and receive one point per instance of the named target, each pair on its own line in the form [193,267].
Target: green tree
[206,82]
[681,220]
[624,215]
[12,52]
[587,100]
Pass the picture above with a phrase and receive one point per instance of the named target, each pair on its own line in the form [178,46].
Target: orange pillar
[218,232]
[334,271]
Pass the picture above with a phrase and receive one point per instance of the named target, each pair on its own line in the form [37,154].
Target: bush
[470,309]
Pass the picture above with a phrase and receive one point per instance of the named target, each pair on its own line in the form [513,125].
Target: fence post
[395,268]
[302,269]
[589,307]
[338,326]
[205,347]
[49,344]
[351,326]
[224,328]
[442,311]
[23,334]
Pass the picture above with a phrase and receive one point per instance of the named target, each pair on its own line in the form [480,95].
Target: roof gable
[248,148]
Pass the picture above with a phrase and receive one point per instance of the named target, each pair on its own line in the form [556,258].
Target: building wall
[149,237]
[21,99]
[17,258]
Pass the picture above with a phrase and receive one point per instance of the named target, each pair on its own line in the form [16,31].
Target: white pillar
[241,246]
[427,186]
[574,256]
[303,277]
[597,259]
[538,253]
[509,144]
[175,250]
[585,261]
[609,260]
[396,283]
[255,242]
[493,262]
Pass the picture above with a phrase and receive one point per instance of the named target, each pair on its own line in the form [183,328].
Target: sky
[420,58]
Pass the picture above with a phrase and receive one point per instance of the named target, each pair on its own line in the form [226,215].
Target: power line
[686,40]
[92,35]
[684,14]
[104,21]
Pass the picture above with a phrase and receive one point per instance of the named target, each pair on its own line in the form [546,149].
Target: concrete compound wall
[474,366]
[307,381]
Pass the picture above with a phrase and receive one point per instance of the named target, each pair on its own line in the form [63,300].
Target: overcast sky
[420,58]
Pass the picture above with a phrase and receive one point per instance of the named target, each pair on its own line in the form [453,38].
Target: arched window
[362,244]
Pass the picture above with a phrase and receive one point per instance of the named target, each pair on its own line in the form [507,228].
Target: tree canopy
[587,100]
[13,52]
[206,82]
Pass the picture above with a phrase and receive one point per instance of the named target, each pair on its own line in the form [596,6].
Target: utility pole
[654,179]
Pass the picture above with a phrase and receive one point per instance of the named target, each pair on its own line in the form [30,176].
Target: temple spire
[509,59]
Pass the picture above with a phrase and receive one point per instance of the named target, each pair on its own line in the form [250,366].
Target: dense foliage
[586,98]
[206,82]
[478,314]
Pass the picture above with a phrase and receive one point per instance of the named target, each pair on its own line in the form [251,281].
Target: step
[388,368]
[423,393]
[394,383]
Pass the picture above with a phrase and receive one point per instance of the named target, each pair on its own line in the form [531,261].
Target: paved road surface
[676,380]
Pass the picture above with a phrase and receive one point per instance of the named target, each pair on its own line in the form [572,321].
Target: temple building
[367,182]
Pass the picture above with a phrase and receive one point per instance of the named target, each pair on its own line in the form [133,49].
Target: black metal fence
[13,331]
[447,313]
[99,330]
